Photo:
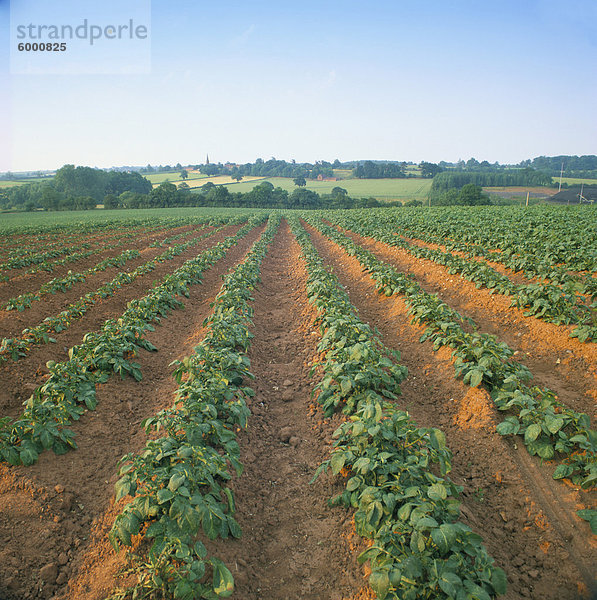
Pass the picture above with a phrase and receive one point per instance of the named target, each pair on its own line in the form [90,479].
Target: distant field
[575,180]
[39,218]
[515,191]
[172,177]
[384,189]
[16,182]
[227,181]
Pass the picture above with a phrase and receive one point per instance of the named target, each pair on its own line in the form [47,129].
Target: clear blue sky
[386,79]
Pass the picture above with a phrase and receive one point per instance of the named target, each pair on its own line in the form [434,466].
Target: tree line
[74,188]
[264,195]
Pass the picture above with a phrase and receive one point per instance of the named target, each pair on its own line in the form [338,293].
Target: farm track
[21,378]
[559,362]
[24,283]
[56,514]
[509,500]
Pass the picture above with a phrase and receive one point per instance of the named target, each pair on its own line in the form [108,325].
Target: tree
[300,181]
[110,202]
[339,191]
[163,196]
[472,195]
[184,174]
[429,170]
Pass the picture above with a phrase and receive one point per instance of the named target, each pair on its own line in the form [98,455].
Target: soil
[55,515]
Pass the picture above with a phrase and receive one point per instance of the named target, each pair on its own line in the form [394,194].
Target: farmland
[386,403]
[383,189]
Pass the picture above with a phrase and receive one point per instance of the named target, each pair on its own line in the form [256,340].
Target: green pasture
[383,189]
[8,183]
[575,180]
[172,177]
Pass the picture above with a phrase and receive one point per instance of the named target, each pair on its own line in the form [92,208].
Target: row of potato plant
[63,284]
[71,386]
[179,481]
[549,235]
[546,424]
[542,300]
[419,549]
[530,265]
[18,347]
[118,241]
[48,264]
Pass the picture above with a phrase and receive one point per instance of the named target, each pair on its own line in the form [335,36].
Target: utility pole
[528,198]
[561,172]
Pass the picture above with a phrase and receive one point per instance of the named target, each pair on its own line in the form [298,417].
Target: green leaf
[163,495]
[223,582]
[345,386]
[449,583]
[499,581]
[510,426]
[563,471]
[437,492]
[176,481]
[589,515]
[443,537]
[532,432]
[554,423]
[337,462]
[380,583]
[475,377]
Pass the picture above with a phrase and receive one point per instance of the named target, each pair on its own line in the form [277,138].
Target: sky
[312,80]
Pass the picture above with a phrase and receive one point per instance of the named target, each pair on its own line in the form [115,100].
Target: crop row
[418,549]
[179,481]
[44,259]
[541,300]
[547,235]
[18,347]
[173,238]
[547,426]
[530,265]
[71,384]
[63,284]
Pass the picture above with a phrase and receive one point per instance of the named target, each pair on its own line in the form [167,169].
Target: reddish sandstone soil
[55,515]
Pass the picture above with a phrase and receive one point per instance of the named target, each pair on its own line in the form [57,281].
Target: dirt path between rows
[56,514]
[293,544]
[545,555]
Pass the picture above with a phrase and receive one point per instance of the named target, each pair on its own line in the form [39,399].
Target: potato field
[331,405]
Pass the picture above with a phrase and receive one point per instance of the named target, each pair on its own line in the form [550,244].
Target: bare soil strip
[56,514]
[504,499]
[557,361]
